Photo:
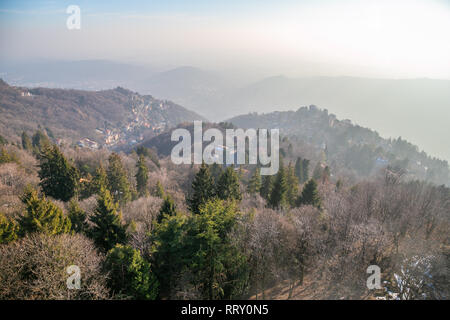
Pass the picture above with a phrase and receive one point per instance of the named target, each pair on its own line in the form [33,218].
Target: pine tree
[217,265]
[168,208]
[118,182]
[42,215]
[159,190]
[40,141]
[266,187]
[326,174]
[228,187]
[202,189]
[216,172]
[3,141]
[100,179]
[254,185]
[299,169]
[310,195]
[278,197]
[317,173]
[108,229]
[130,274]
[59,179]
[26,142]
[78,218]
[292,182]
[305,170]
[142,177]
[8,229]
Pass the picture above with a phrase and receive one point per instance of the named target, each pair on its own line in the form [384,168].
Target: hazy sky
[382,38]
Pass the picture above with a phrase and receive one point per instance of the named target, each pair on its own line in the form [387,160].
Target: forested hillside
[109,117]
[345,145]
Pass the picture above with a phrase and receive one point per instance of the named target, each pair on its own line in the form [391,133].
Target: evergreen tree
[141,177]
[216,172]
[100,180]
[26,142]
[326,174]
[42,215]
[3,141]
[169,250]
[310,195]
[159,190]
[118,183]
[218,266]
[40,141]
[228,186]
[202,189]
[59,179]
[168,208]
[266,187]
[305,170]
[278,197]
[78,218]
[6,157]
[317,173]
[130,275]
[292,189]
[8,229]
[254,185]
[299,169]
[108,229]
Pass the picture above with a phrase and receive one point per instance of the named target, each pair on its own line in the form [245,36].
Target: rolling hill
[109,117]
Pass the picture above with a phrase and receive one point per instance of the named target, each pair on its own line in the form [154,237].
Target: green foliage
[201,246]
[310,195]
[78,218]
[100,180]
[216,172]
[141,177]
[6,157]
[169,250]
[254,185]
[278,196]
[118,182]
[3,141]
[305,170]
[168,208]
[42,215]
[129,274]
[26,142]
[146,152]
[318,172]
[40,141]
[159,190]
[299,169]
[108,229]
[266,187]
[228,186]
[219,268]
[8,229]
[59,179]
[292,182]
[202,189]
[326,174]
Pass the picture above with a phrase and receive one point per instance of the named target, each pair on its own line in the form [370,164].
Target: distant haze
[373,62]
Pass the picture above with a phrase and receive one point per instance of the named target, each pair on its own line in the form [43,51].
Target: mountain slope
[119,115]
[346,145]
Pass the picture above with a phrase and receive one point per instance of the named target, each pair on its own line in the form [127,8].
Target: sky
[383,38]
